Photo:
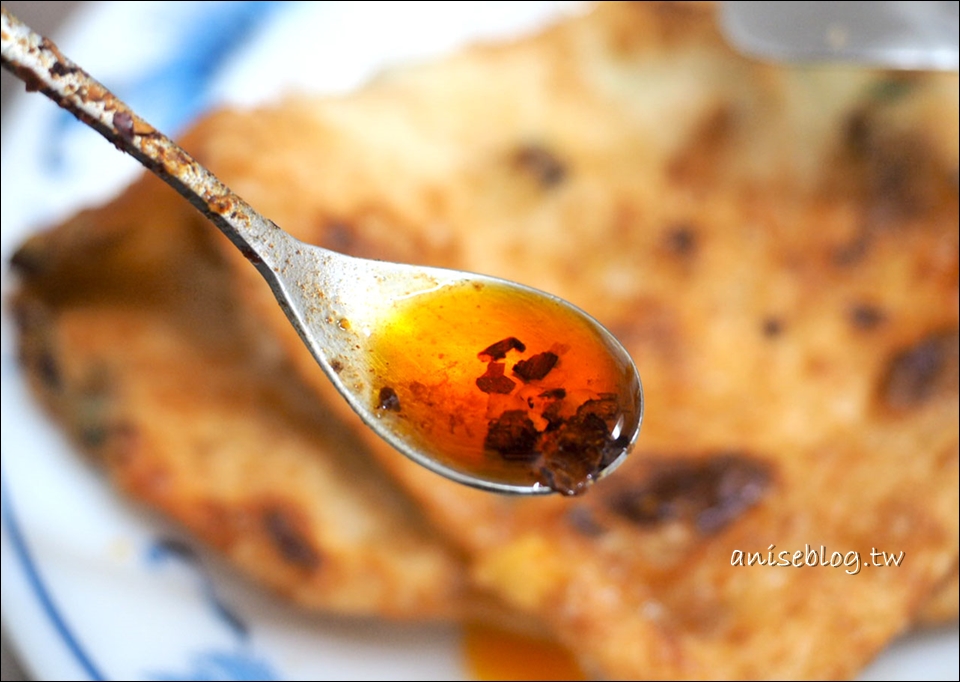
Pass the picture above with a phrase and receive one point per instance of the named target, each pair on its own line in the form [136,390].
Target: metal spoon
[890,35]
[540,431]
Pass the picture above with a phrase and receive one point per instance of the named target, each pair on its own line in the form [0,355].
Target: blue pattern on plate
[221,665]
[212,664]
[176,90]
[38,586]
[170,548]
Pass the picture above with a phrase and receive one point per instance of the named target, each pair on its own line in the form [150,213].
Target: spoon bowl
[487,382]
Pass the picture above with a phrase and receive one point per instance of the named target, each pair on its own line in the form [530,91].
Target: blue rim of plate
[39,586]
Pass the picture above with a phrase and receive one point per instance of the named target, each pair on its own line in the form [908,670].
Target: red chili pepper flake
[389,400]
[607,407]
[493,381]
[513,435]
[552,413]
[535,367]
[499,350]
[574,453]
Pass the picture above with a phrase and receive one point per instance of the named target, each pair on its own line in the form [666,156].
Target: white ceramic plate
[93,587]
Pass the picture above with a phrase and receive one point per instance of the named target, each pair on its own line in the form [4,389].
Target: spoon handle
[39,63]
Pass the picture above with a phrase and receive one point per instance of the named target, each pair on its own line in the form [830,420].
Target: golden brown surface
[776,248]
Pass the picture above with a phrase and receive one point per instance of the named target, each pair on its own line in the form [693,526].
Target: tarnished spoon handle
[38,62]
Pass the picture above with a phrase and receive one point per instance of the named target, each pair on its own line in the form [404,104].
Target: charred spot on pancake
[535,367]
[541,163]
[336,366]
[857,132]
[584,521]
[339,235]
[864,316]
[48,369]
[513,435]
[892,88]
[31,258]
[37,349]
[388,400]
[499,350]
[681,240]
[853,251]
[708,492]
[925,369]
[93,436]
[493,381]
[699,160]
[893,171]
[286,531]
[93,408]
[772,327]
[894,191]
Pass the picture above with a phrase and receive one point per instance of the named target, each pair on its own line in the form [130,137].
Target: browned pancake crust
[778,250]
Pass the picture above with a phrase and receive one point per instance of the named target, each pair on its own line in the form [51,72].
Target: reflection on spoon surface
[487,382]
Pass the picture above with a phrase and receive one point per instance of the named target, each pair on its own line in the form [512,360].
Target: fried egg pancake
[776,247]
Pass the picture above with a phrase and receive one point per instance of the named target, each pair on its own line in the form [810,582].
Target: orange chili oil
[507,385]
[495,654]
